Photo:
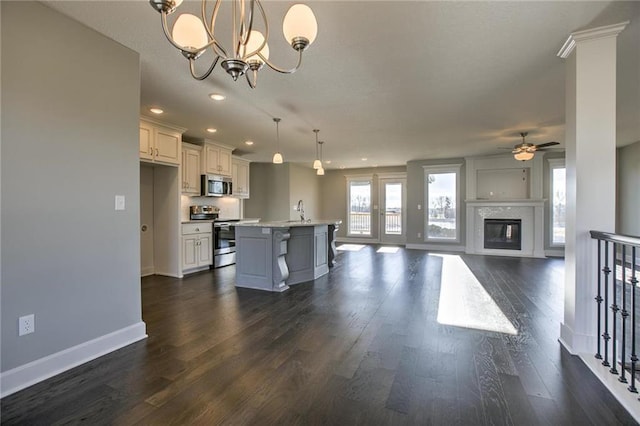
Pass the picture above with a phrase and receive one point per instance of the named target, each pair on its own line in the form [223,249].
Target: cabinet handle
[157,152]
[197,229]
[150,151]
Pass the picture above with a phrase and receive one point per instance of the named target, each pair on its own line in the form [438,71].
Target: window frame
[555,163]
[434,169]
[359,178]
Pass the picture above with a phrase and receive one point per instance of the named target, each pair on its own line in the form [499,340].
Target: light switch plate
[119,202]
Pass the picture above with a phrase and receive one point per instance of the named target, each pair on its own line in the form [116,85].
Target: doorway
[392,210]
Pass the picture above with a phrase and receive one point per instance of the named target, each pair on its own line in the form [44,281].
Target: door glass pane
[360,208]
[558,187]
[393,208]
[441,220]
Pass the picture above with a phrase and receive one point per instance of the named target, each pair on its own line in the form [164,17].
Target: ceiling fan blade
[544,145]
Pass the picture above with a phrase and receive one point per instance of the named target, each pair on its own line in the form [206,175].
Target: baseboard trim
[619,390]
[436,247]
[357,240]
[29,374]
[554,253]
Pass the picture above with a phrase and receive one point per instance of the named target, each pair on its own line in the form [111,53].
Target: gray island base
[272,256]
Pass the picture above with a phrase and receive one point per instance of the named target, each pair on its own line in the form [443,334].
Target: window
[441,209]
[558,200]
[359,206]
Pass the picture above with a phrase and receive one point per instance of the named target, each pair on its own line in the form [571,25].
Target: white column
[590,139]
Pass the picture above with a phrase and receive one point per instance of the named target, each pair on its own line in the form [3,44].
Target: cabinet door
[210,159]
[167,146]
[224,162]
[191,171]
[205,250]
[189,251]
[146,142]
[240,177]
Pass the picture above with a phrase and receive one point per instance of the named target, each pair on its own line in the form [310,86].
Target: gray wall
[305,186]
[415,196]
[269,185]
[70,105]
[628,220]
[275,188]
[334,195]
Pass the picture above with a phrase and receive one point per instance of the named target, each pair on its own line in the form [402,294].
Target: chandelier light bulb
[300,22]
[320,172]
[317,165]
[277,158]
[189,32]
[255,41]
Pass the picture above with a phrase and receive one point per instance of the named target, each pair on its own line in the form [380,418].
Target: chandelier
[250,51]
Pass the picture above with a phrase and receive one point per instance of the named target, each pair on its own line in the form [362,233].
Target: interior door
[393,210]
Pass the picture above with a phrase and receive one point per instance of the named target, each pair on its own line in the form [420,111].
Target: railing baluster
[599,300]
[624,314]
[634,358]
[605,335]
[614,313]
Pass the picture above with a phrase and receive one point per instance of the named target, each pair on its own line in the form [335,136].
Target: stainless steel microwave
[215,186]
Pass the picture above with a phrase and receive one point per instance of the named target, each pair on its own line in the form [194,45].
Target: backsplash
[230,208]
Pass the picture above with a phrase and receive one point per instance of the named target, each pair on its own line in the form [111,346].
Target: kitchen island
[272,256]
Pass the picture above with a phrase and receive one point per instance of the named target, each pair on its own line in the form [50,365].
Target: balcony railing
[617,303]
[360,223]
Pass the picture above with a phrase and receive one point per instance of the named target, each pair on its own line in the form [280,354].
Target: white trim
[352,240]
[41,369]
[436,247]
[619,390]
[392,175]
[359,177]
[554,252]
[590,34]
[150,270]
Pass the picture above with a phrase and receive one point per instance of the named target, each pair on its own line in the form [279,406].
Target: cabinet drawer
[196,228]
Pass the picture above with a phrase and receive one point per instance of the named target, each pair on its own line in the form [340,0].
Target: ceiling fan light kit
[525,151]
[193,36]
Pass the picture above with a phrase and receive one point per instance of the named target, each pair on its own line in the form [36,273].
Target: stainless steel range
[224,234]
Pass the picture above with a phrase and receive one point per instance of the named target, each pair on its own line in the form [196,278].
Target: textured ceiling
[390,81]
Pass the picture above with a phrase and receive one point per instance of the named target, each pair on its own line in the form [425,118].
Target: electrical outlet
[419,234]
[119,202]
[26,324]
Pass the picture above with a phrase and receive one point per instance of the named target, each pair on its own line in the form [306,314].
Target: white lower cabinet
[197,247]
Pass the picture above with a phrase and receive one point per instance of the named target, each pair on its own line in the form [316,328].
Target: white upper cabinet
[191,169]
[216,159]
[160,143]
[240,177]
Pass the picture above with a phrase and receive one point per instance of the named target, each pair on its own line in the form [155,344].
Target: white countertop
[249,219]
[289,223]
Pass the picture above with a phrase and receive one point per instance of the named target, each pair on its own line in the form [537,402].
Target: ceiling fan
[525,151]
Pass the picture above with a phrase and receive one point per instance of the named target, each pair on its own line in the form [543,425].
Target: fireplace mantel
[505,202]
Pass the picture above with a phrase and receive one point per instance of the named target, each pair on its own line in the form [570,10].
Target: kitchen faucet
[300,209]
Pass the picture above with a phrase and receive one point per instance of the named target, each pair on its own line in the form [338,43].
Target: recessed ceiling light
[212,130]
[217,97]
[248,142]
[364,159]
[156,110]
[327,161]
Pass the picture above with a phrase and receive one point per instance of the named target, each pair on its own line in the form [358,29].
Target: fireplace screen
[502,234]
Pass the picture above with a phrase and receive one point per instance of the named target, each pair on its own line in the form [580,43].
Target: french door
[393,210]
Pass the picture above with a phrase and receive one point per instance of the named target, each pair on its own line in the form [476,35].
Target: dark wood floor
[359,346]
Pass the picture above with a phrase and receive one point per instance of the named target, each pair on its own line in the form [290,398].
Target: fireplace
[503,234]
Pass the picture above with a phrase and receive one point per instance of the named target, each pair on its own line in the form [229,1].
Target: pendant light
[320,171]
[317,164]
[277,157]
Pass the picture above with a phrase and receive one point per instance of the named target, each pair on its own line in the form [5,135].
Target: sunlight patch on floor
[388,250]
[465,303]
[350,247]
